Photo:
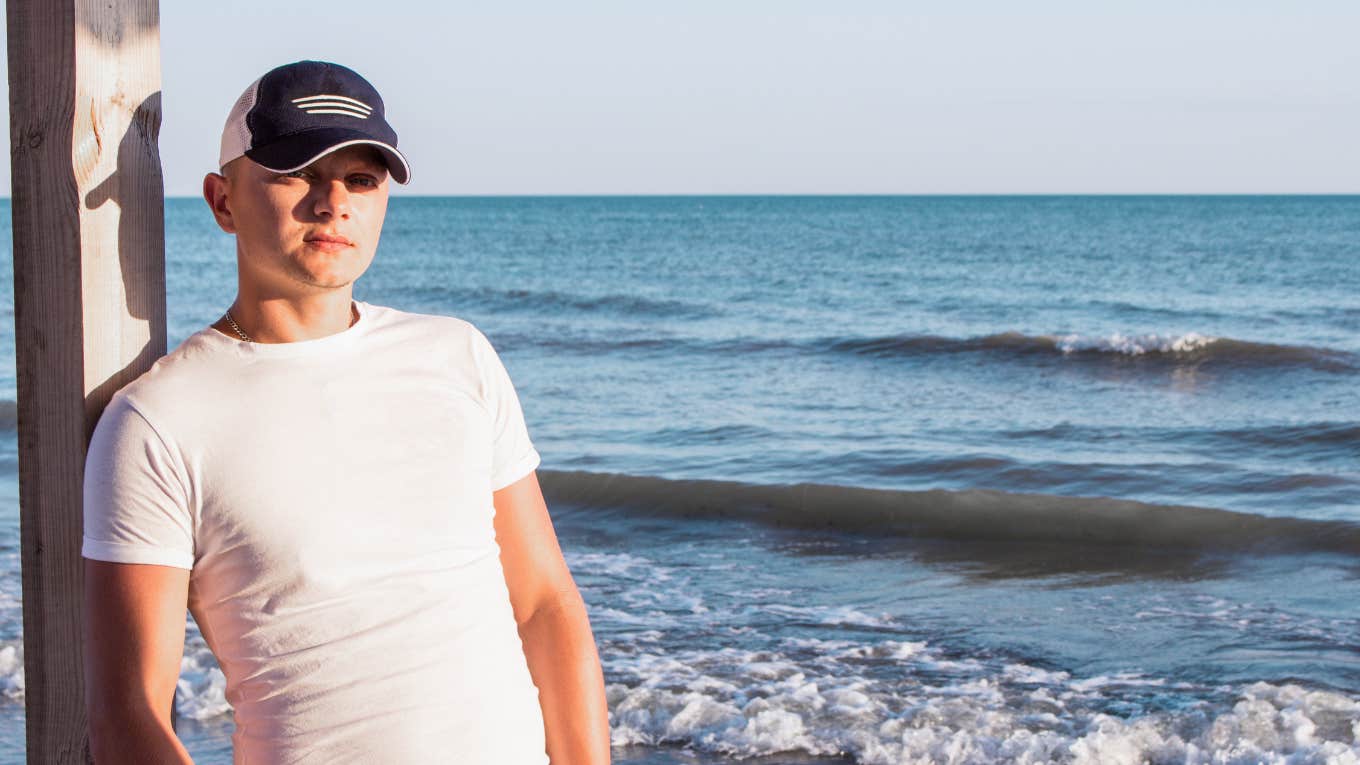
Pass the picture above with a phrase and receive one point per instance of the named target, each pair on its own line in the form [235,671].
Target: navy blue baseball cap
[300,112]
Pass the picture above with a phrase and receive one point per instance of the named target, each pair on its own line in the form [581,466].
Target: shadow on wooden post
[141,229]
[89,300]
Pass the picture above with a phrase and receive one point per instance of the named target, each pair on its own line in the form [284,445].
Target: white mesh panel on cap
[236,134]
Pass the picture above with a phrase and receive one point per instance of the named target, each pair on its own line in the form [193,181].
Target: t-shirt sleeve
[136,501]
[513,455]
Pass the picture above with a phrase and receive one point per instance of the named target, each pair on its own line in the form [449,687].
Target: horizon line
[845,195]
[923,195]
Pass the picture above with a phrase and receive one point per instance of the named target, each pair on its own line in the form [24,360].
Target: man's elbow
[565,602]
[122,732]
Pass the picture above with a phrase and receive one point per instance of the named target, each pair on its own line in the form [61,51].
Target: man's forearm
[133,738]
[564,664]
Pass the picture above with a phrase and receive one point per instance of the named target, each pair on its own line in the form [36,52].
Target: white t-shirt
[332,499]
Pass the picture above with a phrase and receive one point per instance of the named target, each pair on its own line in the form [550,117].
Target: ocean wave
[1121,475]
[1188,348]
[900,702]
[453,298]
[1124,309]
[663,599]
[1312,442]
[970,514]
[9,416]
[1151,351]
[1310,434]
[1307,435]
[708,435]
[595,344]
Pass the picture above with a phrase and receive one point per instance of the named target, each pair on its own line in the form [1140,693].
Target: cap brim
[302,149]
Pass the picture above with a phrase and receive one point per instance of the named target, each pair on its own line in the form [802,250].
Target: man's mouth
[328,243]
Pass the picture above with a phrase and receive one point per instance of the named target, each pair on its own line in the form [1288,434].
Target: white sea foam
[1119,679]
[623,565]
[650,595]
[1023,673]
[651,619]
[12,669]
[639,598]
[886,649]
[200,693]
[1133,345]
[1244,616]
[833,615]
[834,698]
[873,702]
[893,701]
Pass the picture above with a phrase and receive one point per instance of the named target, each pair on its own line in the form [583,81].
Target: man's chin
[330,284]
[326,279]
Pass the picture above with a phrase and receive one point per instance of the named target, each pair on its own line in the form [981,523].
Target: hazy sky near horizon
[766,96]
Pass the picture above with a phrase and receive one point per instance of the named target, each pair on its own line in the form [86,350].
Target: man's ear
[215,188]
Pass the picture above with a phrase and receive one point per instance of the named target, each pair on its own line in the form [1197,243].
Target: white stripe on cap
[346,112]
[307,107]
[305,101]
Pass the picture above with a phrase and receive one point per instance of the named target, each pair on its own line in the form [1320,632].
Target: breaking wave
[971,514]
[1174,349]
[1148,350]
[904,702]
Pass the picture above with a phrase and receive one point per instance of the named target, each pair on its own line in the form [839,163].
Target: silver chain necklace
[353,317]
[234,326]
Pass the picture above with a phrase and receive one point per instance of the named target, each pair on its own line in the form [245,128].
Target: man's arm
[134,640]
[558,643]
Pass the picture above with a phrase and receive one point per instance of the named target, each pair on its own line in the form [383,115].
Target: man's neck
[281,320]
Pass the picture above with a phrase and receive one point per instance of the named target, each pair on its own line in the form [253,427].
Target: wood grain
[89,300]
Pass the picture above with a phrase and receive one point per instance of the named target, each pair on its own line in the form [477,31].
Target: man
[343,494]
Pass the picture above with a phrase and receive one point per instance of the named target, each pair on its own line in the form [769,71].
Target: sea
[886,479]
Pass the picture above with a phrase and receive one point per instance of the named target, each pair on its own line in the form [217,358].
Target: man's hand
[558,643]
[134,640]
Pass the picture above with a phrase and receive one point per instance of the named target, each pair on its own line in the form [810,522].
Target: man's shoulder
[394,324]
[185,378]
[384,315]
[197,358]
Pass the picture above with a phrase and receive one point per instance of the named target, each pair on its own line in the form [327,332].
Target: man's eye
[367,181]
[296,174]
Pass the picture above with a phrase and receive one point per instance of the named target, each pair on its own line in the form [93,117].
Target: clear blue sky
[784,96]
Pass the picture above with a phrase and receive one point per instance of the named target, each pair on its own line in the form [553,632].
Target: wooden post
[89,300]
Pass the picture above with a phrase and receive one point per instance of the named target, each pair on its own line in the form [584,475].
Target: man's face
[310,230]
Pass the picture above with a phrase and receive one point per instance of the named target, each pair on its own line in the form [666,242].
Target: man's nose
[332,199]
